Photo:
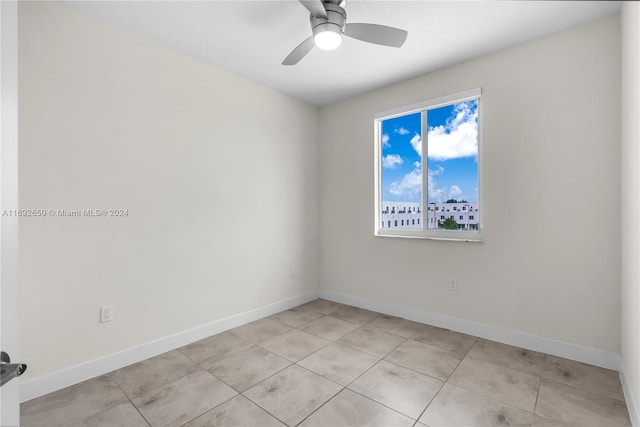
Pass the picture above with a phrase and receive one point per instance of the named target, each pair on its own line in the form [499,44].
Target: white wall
[551,155]
[219,176]
[631,199]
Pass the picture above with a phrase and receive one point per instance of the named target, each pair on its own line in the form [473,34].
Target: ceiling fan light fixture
[327,36]
[328,21]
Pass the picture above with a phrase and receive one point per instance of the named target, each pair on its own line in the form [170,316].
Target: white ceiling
[251,38]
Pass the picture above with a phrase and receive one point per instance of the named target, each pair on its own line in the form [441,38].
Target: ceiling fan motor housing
[335,20]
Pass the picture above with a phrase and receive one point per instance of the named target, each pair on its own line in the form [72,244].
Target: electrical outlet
[106,313]
[453,285]
[292,271]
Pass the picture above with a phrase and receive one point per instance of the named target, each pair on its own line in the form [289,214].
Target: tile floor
[328,364]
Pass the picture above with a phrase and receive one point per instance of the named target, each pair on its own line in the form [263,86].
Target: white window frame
[423,107]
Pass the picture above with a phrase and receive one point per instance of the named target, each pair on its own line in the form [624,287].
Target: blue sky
[452,154]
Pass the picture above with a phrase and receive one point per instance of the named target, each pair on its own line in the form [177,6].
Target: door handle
[8,370]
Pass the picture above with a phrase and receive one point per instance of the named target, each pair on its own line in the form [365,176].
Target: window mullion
[425,171]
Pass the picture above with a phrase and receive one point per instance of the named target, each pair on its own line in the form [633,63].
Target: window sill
[448,237]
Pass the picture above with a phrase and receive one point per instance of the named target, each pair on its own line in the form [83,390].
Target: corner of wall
[630,206]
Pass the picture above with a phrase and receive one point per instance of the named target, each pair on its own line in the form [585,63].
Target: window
[428,160]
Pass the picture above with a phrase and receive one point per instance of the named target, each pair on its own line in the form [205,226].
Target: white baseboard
[40,386]
[571,351]
[632,405]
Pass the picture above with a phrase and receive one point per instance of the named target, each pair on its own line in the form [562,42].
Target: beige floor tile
[72,404]
[488,383]
[425,358]
[395,325]
[183,400]
[209,350]
[355,314]
[349,409]
[581,375]
[339,363]
[292,394]
[246,369]
[370,340]
[330,328]
[122,415]
[236,412]
[455,406]
[445,339]
[144,376]
[261,330]
[294,345]
[321,306]
[560,404]
[401,389]
[506,355]
[296,317]
[538,421]
[507,385]
[542,422]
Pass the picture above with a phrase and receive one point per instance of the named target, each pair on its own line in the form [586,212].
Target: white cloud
[459,137]
[391,161]
[439,170]
[435,193]
[410,186]
[401,131]
[385,140]
[454,191]
[416,143]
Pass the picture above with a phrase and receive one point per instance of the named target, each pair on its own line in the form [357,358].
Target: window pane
[401,172]
[452,153]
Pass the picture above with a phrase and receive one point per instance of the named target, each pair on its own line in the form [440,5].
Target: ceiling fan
[328,25]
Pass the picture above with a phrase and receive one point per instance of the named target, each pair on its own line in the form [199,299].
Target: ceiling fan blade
[315,7]
[299,52]
[378,34]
